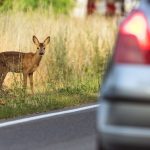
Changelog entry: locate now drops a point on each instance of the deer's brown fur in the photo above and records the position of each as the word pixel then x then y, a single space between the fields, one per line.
pixel 25 63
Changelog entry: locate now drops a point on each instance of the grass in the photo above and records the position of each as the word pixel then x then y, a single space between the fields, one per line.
pixel 44 102
pixel 71 71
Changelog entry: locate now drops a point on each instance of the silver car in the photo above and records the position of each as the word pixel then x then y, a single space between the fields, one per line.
pixel 123 120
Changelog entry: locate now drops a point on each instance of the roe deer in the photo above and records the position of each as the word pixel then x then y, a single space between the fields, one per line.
pixel 25 63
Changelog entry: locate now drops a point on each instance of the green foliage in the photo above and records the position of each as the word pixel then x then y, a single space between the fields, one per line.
pixel 27 4
pixel 58 6
pixel 6 5
pixel 61 6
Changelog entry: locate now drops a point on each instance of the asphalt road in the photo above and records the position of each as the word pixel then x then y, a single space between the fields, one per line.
pixel 73 131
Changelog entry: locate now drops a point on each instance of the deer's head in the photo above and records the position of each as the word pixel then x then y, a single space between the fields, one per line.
pixel 41 46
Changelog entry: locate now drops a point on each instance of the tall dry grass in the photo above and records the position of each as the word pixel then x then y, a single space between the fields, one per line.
pixel 77 53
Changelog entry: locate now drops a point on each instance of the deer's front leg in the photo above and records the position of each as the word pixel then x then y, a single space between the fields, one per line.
pixel 3 73
pixel 31 82
pixel 2 77
pixel 24 81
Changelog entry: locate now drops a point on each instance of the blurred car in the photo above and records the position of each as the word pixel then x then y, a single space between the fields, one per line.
pixel 123 120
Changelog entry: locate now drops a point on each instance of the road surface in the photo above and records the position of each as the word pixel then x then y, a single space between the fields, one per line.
pixel 70 131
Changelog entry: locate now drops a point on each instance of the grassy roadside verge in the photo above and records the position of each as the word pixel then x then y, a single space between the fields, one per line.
pixel 23 105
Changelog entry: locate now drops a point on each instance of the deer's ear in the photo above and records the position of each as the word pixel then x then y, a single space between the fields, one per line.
pixel 47 40
pixel 35 40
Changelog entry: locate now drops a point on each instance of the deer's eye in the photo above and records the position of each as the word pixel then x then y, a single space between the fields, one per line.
pixel 38 48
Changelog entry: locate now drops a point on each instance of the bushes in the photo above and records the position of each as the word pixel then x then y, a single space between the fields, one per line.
pixel 58 6
pixel 61 6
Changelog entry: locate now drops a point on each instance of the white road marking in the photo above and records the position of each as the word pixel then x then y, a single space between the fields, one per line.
pixel 24 120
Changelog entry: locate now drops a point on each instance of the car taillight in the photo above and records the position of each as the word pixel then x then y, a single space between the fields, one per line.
pixel 133 43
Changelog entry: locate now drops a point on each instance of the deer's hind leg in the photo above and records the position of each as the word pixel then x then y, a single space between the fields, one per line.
pixel 24 81
pixel 2 77
pixel 31 82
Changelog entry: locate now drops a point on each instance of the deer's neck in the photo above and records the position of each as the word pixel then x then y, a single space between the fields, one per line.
pixel 37 59
pixel 35 63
